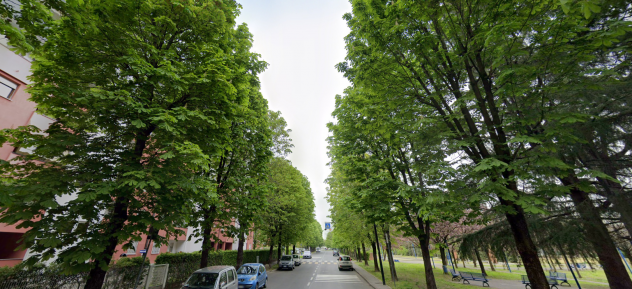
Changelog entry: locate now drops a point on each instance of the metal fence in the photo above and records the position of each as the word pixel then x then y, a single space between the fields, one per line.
pixel 153 277
pixel 42 279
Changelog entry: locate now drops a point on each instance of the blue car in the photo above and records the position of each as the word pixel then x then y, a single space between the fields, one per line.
pixel 252 276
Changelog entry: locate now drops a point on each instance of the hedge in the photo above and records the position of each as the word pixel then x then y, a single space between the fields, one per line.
pixel 215 257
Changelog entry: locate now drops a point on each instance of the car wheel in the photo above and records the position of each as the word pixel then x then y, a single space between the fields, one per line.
pixel 257 286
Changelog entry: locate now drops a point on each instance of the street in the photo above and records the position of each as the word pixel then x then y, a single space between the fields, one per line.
pixel 319 272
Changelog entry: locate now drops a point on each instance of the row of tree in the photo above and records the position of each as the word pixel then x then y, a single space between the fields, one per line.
pixel 510 114
pixel 159 124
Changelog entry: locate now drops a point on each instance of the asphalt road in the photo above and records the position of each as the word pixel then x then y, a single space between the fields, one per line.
pixel 319 272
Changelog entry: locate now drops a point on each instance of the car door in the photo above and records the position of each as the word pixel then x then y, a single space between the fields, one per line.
pixel 262 274
pixel 223 280
pixel 232 279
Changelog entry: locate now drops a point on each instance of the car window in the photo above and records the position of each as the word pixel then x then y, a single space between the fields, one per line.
pixel 231 276
pixel 286 258
pixel 247 270
pixel 345 258
pixel 202 279
pixel 223 280
pixel 262 269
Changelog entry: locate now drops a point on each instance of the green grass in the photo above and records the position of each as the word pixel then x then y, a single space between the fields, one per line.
pixel 412 276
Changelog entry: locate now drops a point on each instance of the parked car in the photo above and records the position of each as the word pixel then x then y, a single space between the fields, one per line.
pixel 307 254
pixel 318 249
pixel 286 262
pixel 344 263
pixel 297 259
pixel 336 253
pixel 214 277
pixel 252 276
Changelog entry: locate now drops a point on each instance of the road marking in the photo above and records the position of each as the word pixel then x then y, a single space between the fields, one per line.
pixel 308 283
pixel 311 279
pixel 337 278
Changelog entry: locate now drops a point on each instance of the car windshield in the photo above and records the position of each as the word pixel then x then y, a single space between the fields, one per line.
pixel 202 279
pixel 345 258
pixel 295 256
pixel 286 258
pixel 247 270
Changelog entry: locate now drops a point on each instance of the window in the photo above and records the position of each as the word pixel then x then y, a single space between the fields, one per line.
pixel 7 88
pixel 262 269
pixel 132 251
pixel 155 249
pixel 231 276
pixel 223 280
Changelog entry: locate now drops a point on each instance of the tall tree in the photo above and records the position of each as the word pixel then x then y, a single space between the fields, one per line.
pixel 136 89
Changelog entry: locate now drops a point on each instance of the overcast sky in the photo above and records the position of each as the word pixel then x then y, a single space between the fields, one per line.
pixel 302 41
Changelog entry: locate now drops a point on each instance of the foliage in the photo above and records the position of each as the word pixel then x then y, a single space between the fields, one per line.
pixel 217 257
pixel 144 95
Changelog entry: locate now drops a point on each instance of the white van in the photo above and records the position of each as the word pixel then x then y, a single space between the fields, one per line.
pixel 307 254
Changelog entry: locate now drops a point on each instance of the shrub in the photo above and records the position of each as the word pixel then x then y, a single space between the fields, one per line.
pixel 402 251
pixel 215 257
pixel 130 262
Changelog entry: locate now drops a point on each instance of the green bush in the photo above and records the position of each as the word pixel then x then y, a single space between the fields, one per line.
pixel 215 257
pixel 402 251
pixel 130 262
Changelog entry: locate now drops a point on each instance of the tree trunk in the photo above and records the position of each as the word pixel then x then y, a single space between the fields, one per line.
pixel 489 259
pixel 293 248
pixel 444 260
pixel 463 261
pixel 366 261
pixel 588 261
pixel 270 256
pixel 597 234
pixel 424 241
pixel 206 235
pixel 240 250
pixel 526 248
pixel 375 256
pixel 389 252
pixel 575 264
pixel 96 276
pixel 480 262
pixel 279 250
pixel 454 259
pixel 548 260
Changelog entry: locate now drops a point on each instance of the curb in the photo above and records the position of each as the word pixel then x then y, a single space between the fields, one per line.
pixel 355 269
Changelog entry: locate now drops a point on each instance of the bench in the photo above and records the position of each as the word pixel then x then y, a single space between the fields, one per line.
pixel 559 277
pixel 455 275
pixel 467 276
pixel 552 282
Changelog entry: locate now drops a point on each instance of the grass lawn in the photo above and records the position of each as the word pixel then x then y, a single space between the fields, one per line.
pixel 412 276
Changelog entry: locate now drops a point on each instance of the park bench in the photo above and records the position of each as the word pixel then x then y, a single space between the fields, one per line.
pixel 559 277
pixel 467 276
pixel 552 282
pixel 455 275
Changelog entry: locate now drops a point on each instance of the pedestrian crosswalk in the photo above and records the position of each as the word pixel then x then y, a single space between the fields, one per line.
pixel 337 278
pixel 318 262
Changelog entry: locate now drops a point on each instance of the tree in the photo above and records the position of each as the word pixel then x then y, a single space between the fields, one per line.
pixel 136 89
pixel 491 73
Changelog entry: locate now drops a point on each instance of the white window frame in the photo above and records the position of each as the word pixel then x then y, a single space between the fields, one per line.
pixel 5 82
pixel 155 250
pixel 132 251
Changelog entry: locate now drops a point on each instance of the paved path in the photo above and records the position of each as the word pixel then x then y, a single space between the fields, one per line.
pixel 319 272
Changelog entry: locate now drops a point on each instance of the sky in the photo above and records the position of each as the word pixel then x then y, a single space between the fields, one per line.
pixel 302 41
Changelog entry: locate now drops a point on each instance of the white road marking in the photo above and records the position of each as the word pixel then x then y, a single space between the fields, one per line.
pixel 308 283
pixel 310 279
pixel 337 278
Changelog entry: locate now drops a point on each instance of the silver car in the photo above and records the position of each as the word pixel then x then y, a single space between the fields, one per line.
pixel 286 262
pixel 214 277
pixel 297 259
pixel 344 263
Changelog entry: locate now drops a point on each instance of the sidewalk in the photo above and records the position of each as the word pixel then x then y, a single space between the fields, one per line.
pixel 369 278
